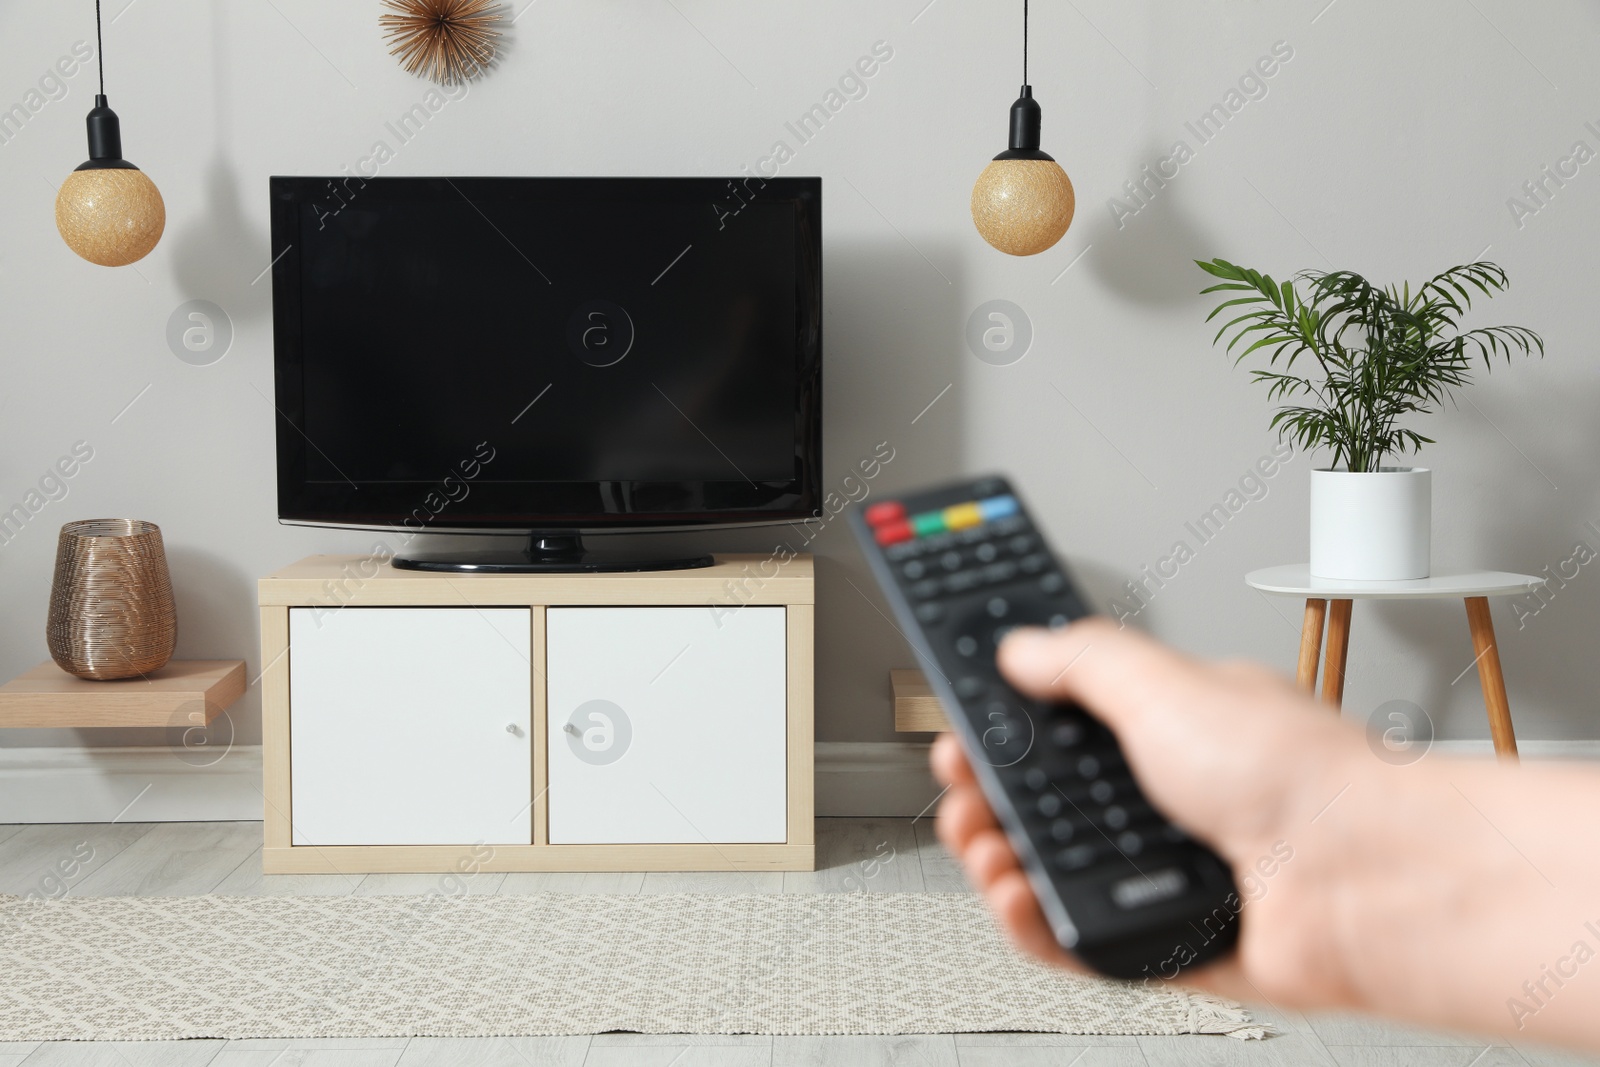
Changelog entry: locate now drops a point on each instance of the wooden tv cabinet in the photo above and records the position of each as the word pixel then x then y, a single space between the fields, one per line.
pixel 418 721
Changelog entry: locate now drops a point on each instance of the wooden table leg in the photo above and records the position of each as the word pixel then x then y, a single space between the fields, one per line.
pixel 1338 652
pixel 1491 678
pixel 1311 644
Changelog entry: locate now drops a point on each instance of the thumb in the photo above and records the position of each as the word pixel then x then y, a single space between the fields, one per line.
pixel 1119 675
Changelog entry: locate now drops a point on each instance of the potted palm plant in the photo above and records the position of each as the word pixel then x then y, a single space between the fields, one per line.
pixel 1352 359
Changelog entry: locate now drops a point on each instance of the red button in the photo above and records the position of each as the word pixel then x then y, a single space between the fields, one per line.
pixel 888 511
pixel 892 532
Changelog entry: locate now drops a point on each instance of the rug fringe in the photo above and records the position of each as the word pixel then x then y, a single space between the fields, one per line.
pixel 1209 1014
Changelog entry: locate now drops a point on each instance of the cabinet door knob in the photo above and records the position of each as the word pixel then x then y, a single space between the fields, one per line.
pixel 513 729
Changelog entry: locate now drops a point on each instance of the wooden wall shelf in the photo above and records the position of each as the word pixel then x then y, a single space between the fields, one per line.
pixel 183 693
pixel 916 709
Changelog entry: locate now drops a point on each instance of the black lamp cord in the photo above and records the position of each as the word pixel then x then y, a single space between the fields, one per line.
pixel 100 51
pixel 1024 44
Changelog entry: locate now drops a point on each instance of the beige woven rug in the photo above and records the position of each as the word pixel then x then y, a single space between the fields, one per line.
pixel 163 968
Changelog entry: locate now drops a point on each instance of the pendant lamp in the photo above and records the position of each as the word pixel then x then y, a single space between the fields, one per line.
pixel 1023 202
pixel 108 210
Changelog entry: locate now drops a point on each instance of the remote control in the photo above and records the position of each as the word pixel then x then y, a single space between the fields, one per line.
pixel 1123 889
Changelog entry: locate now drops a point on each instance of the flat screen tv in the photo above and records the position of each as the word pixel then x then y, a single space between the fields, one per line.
pixel 549 356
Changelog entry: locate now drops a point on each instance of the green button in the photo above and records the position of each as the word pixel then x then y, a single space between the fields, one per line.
pixel 929 522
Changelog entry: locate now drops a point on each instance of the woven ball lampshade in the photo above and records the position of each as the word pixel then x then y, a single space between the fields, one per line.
pixel 108 210
pixel 1023 206
pixel 1023 201
pixel 110 216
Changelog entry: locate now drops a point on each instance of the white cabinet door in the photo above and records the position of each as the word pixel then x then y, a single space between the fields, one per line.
pixel 410 726
pixel 666 725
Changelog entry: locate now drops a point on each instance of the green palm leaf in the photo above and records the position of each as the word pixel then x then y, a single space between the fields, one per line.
pixel 1383 352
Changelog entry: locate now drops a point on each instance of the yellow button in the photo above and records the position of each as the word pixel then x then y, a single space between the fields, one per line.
pixel 961 516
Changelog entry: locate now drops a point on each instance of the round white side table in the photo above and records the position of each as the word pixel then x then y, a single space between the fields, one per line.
pixel 1474 587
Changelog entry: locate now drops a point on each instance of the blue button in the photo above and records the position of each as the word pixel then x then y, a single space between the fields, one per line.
pixel 998 507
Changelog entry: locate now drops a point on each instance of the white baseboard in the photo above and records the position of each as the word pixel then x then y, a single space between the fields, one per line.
pixel 158 785
pixel 854 778
pixel 129 785
pixel 873 778
pixel 891 778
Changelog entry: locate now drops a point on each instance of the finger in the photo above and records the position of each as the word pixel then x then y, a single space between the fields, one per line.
pixel 1010 897
pixel 963 814
pixel 949 763
pixel 1012 900
pixel 1119 675
pixel 987 857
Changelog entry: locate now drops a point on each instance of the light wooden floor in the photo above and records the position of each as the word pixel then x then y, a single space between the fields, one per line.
pixel 879 855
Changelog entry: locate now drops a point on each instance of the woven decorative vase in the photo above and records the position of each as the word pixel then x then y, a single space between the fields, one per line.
pixel 111 609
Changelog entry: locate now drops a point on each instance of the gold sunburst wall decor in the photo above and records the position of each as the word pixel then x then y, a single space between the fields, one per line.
pixel 447 41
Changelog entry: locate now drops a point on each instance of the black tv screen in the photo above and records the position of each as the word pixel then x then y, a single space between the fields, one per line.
pixel 547 353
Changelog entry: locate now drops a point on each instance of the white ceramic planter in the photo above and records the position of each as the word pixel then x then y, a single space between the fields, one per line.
pixel 1374 527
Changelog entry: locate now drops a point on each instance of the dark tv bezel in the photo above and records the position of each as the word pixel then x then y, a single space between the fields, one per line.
pixel 310 503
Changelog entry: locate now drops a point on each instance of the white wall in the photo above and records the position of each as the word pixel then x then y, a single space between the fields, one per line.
pixel 1389 144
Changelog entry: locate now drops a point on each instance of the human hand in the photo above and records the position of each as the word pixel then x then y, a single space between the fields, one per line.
pixel 1440 892
pixel 1230 752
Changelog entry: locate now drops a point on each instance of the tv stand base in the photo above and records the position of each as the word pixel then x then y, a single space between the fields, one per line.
pixel 548 554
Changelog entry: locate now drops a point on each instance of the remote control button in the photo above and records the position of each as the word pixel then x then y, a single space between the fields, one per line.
pixel 1022 544
pixel 997 607
pixel 1006 742
pixel 967 688
pixel 1130 843
pixel 967 645
pixel 888 511
pixel 1049 805
pixel 892 533
pixel 1102 791
pixel 1006 527
pixel 1052 583
pixel 930 613
pixel 961 581
pixel 998 507
pixel 1066 734
pixel 926 588
pixel 1003 571
pixel 928 523
pixel 1058 621
pixel 986 552
pixel 1035 563
pixel 1062 830
pixel 1089 767
pixel 962 516
pixel 1077 857
pixel 973 535
pixel 1115 818
pixel 914 570
pixel 1149 887
pixel 950 561
pixel 903 551
pixel 1035 779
